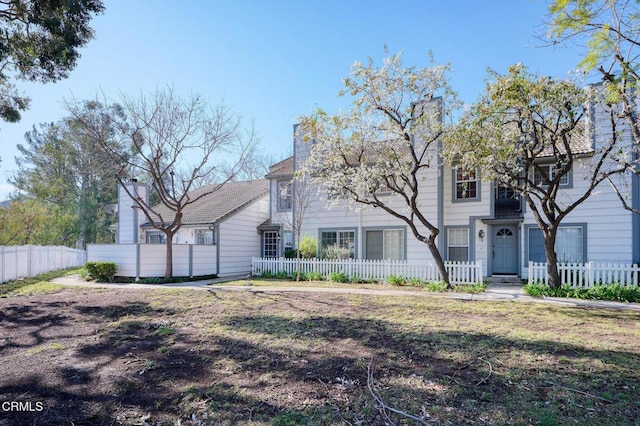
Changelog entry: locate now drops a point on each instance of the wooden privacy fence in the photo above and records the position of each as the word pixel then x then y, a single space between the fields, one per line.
pixel 28 261
pixel 587 274
pixel 459 272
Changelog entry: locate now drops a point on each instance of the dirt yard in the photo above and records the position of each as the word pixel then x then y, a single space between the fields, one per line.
pixel 167 357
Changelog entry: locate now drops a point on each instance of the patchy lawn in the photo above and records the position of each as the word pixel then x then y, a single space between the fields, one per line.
pixel 102 357
pixel 406 286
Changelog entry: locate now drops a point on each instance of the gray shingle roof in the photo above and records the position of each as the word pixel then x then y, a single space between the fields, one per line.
pixel 218 205
pixel 283 168
pixel 578 146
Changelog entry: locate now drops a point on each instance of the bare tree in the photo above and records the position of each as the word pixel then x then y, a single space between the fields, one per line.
pixel 175 143
pixel 303 195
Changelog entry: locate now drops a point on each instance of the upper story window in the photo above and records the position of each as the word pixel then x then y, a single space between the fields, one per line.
pixel 550 171
pixel 204 236
pixel 465 184
pixel 506 193
pixel 285 199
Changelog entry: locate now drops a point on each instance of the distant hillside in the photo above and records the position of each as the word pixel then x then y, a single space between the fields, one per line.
pixel 4 204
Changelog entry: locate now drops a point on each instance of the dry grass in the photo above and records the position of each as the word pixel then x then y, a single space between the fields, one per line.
pixel 224 357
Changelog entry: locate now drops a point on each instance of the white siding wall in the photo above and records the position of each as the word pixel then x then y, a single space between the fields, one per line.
pixel 283 218
pixel 239 240
pixel 324 216
pixel 609 226
pixel 609 237
pixel 129 218
pixel 459 214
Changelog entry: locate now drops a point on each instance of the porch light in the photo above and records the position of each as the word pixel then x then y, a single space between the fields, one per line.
pixel 481 234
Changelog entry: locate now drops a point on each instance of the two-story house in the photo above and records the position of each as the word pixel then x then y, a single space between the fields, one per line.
pixel 478 220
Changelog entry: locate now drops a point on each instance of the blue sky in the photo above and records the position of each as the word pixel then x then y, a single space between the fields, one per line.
pixel 273 61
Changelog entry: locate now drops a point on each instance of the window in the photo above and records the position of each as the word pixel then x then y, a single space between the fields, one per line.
pixel 288 239
pixel 270 244
pixel 570 246
pixel 549 170
pixel 204 236
pixel 385 244
pixel 506 193
pixel 458 244
pixel 341 239
pixel 504 232
pixel 156 237
pixel 465 184
pixel 284 195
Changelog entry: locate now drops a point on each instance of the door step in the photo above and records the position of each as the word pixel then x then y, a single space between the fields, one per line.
pixel 504 280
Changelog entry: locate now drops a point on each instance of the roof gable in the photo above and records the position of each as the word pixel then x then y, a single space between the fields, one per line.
pixel 282 168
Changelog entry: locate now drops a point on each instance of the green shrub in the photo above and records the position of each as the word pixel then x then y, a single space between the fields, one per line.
pixel 397 280
pixel 291 253
pixel 308 247
pixel 303 276
pixel 535 289
pixel 266 274
pixel 338 277
pixel 102 271
pixel 613 292
pixel 436 286
pixel 417 282
pixel 470 288
pixel 314 276
pixel 282 275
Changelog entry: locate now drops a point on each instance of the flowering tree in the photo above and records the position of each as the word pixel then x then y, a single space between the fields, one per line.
pixel 609 31
pixel 386 142
pixel 527 133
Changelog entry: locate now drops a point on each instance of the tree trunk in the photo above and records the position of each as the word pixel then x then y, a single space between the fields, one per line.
pixel 552 258
pixel 168 272
pixel 433 248
pixel 297 256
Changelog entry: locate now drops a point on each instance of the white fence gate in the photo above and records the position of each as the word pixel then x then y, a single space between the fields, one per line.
pixel 588 274
pixel 459 272
pixel 28 261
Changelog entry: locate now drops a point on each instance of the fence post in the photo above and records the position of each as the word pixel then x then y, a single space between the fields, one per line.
pixel 137 261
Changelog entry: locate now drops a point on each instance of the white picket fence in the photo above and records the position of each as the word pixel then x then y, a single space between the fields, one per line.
pixel 459 272
pixel 588 274
pixel 28 261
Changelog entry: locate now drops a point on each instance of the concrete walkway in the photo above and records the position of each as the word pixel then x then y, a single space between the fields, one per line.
pixel 494 292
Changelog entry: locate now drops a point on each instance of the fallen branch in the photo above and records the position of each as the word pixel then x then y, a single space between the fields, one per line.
pixel 383 405
pixel 488 375
pixel 554 385
pixel 452 379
